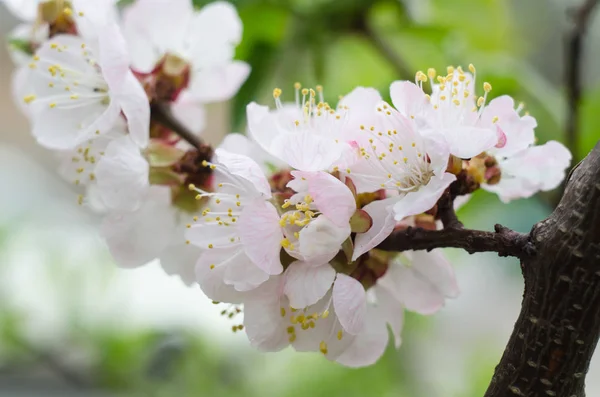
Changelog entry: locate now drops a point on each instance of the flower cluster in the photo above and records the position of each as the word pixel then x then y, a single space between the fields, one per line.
pixel 283 225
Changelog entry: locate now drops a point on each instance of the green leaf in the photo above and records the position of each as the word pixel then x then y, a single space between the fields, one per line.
pixel 21 45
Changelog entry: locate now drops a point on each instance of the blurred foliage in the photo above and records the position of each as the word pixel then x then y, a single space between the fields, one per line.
pixel 333 43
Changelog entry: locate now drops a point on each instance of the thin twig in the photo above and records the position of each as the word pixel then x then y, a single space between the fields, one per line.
pixel 447 214
pixel 392 56
pixel 573 69
pixel 161 114
pixel 503 241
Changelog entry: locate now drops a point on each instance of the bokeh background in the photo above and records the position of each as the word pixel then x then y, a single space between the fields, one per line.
pixel 72 324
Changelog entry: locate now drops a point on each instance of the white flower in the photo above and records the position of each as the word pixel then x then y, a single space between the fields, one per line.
pixel 524 169
pixel 537 168
pixel 452 110
pixel 79 90
pixel 241 144
pixel 308 136
pixel 272 323
pixel 396 157
pixel 203 40
pixel 239 229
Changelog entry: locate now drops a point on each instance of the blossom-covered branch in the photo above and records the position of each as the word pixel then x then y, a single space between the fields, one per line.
pixel 504 241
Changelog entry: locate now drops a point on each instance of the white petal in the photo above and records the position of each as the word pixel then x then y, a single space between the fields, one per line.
pixel 180 259
pixel 408 98
pixel 218 83
pixel 211 280
pixel 423 284
pixel 216 30
pixel 349 301
pixel 136 238
pixel 392 312
pixel 306 284
pixel 424 199
pixel 466 142
pixel 369 345
pixel 122 175
pixel 25 10
pixel 246 168
pixel 112 56
pixel 307 151
pixel 261 235
pixel 135 106
pixel 383 225
pixel 243 274
pixel 190 113
pixel 321 240
pixel 264 325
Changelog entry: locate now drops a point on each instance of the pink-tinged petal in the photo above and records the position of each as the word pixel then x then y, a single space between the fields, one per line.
pixel 261 235
pixel 122 175
pixel 361 98
pixel 466 142
pixel 392 311
pixel 136 238
pixel 246 168
pixel 438 151
pixel 369 345
pixel 135 106
pixel 350 303
pixel 264 325
pixel 424 199
pixel 321 240
pixel 306 284
pixel 423 283
pixel 382 215
pixel 190 113
pixel 218 83
pixel 501 138
pixel 408 98
pixel 331 196
pixel 210 273
pixel 307 151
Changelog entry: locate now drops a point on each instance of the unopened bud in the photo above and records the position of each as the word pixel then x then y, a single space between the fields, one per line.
pixel 493 175
pixel 455 165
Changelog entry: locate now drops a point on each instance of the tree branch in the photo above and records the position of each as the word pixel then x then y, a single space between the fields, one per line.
pixel 446 212
pixel 161 114
pixel 399 65
pixel 504 241
pixel 573 69
pixel 555 336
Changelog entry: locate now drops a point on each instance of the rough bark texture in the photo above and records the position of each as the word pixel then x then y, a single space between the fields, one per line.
pixel 549 351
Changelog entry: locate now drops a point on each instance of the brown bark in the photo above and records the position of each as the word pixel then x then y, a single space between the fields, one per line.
pixel 555 336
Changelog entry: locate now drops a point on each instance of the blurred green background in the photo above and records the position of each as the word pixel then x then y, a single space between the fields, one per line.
pixel 71 324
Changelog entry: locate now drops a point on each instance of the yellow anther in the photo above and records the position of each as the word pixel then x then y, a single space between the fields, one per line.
pixel 340 334
pixel 68 12
pixel 312 92
pixel 198 197
pixel 305 91
pixel 323 347
pixel 282 311
pixel 292 338
pixel 494 119
pixel 80 199
pixel 297 85
pixel 285 243
pixel 480 101
pixel 487 87
pixel 276 93
pixel 53 45
pixel 212 166
pixel 450 70
pixel 456 102
pixel 325 314
pixel 286 204
pixel 210 246
pixel 191 186
pixel 472 68
pixel 319 88
pixel 212 267
pixel 431 73
pixel 204 163
pixel 29 98
pixel 74 96
pixel 195 218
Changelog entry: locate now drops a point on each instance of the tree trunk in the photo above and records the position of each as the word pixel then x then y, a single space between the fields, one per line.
pixel 555 336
